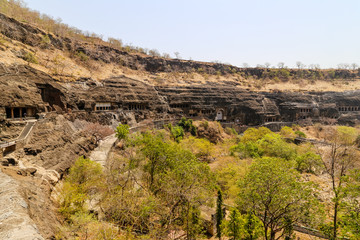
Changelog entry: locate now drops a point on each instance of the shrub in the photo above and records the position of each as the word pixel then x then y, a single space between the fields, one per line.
pixel 254 134
pixel 187 125
pixel 205 124
pixel 81 182
pixel 308 162
pixel 122 131
pixel 30 58
pixel 231 131
pixel 300 134
pixel 287 132
pixel 45 41
pixel 82 56
pixel 98 130
pixel 177 133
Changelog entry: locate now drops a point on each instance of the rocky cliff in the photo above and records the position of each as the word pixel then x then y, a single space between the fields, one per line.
pixel 125 99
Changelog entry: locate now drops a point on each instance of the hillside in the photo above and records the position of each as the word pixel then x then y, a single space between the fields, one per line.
pixel 69 55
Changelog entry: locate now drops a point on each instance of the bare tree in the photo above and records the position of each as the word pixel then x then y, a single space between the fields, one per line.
pixel 343 66
pixel 245 65
pixel 154 53
pixel 281 65
pixel 354 66
pixel 338 158
pixel 267 64
pixel 114 42
pixel 312 66
pixel 177 55
pixel 166 55
pixel 299 64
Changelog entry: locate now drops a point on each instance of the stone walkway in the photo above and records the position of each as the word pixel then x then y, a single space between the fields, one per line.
pixel 101 153
pixel 15 223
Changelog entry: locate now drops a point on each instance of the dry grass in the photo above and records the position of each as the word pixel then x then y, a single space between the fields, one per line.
pixel 63 67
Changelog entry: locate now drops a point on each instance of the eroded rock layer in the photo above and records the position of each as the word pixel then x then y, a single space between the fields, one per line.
pixel 25 90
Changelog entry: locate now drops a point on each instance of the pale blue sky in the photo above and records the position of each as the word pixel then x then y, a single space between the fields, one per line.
pixel 324 32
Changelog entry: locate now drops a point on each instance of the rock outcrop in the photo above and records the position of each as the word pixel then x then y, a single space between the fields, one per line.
pixel 16 223
pixel 123 99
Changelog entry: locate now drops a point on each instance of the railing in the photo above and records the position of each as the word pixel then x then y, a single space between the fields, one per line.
pixel 22 136
pixel 158 124
pixel 7 144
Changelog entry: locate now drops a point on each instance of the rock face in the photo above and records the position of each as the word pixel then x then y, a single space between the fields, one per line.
pixel 16 224
pixel 54 145
pixel 124 99
pixel 29 90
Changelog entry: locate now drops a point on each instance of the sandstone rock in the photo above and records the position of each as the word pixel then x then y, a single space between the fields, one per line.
pixel 16 224
pixel 52 177
pixel 4 163
pixel 30 171
pixel 12 161
pixel 22 172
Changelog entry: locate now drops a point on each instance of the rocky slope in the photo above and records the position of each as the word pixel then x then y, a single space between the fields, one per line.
pixel 15 220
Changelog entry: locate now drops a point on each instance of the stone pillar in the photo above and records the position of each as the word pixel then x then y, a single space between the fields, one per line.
pixel 20 110
pixel 29 112
pixel 12 113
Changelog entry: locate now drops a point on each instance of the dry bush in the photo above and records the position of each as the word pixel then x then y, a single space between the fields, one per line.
pixel 305 122
pixel 328 121
pixel 98 130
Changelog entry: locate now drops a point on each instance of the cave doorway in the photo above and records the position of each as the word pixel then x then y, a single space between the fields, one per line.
pixel 219 115
pixel 19 112
pixel 16 112
pixel 8 113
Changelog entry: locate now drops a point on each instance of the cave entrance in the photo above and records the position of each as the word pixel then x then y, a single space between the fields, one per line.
pixel 51 95
pixel 219 115
pixel 19 112
pixel 102 106
pixel 8 113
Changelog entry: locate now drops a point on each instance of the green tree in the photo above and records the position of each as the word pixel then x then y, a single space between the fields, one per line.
pixel 122 131
pixel 244 227
pixel 254 134
pixel 201 147
pixel 154 148
pixel 83 179
pixel 177 133
pixel 351 216
pixel 309 162
pixel 187 125
pixel 337 160
pixel 287 132
pixel 182 183
pixel 234 224
pixel 252 227
pixel 219 215
pixel 272 190
pixel 273 145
